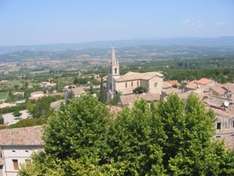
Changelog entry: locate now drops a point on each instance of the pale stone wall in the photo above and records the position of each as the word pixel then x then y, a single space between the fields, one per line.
pixel 225 123
pixel 126 87
pixel 145 83
pixel 155 85
pixel 20 154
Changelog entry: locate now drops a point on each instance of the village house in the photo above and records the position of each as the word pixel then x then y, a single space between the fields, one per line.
pixel 73 91
pixel 219 98
pixel 48 86
pixel 10 118
pixel 37 95
pixel 16 147
pixel 7 105
pixel 203 83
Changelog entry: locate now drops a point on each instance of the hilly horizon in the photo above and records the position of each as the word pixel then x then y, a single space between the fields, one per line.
pixel 223 41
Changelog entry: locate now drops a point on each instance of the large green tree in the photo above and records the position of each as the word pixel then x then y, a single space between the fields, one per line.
pixel 173 137
pixel 77 130
pixel 190 148
pixel 135 139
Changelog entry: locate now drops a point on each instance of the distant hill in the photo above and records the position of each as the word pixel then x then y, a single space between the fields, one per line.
pixel 173 47
pixel 227 41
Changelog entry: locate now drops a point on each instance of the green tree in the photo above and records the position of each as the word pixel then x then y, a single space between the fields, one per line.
pixel 135 139
pixel 190 148
pixel 80 81
pixel 78 130
pixel 17 113
pixel 41 108
pixel 102 94
pixel 1 119
pixel 75 81
pixel 140 90
pixel 170 138
pixel 116 99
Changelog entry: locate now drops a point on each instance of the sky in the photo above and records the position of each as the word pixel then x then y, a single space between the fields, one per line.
pixel 27 22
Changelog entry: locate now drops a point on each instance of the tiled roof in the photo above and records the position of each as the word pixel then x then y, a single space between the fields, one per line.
pixel 229 86
pixel 135 75
pixel 173 82
pixel 218 89
pixel 130 99
pixel 21 136
pixel 166 85
pixel 192 85
pixel 172 90
pixel 223 113
pixel 204 81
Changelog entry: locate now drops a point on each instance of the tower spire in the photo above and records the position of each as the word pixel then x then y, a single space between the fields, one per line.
pixel 113 60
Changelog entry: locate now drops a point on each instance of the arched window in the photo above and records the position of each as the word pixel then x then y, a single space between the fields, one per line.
pixel 115 70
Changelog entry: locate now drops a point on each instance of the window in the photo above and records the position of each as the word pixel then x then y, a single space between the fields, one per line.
pixel 126 85
pixel 15 164
pixel 137 83
pixel 115 70
pixel 26 151
pixel 218 125
pixel 233 123
pixel 13 150
pixel 155 84
pixel 132 83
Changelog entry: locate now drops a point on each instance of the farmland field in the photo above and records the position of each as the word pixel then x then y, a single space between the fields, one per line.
pixel 3 95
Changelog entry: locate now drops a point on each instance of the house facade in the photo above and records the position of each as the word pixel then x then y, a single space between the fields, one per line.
pixel 16 148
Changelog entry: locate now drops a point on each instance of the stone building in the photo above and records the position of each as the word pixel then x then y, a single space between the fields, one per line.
pixel 125 84
pixel 16 147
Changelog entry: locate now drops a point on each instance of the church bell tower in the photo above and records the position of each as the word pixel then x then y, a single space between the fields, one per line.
pixel 114 64
pixel 113 74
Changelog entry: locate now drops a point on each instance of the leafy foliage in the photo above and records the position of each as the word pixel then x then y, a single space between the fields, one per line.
pixel 84 122
pixel 17 113
pixel 19 107
pixel 140 90
pixel 135 140
pixel 1 119
pixel 28 122
pixel 41 108
pixel 169 138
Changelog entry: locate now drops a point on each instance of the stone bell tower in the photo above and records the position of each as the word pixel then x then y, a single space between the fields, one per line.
pixel 113 74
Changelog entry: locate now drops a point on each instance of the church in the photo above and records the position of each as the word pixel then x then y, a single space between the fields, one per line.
pixel 124 85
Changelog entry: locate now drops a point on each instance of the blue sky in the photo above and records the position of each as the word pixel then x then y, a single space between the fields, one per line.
pixel 25 22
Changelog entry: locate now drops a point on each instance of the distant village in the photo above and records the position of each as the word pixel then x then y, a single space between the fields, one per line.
pixel 18 144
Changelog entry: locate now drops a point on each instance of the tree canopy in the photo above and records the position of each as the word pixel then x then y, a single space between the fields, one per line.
pixel 172 137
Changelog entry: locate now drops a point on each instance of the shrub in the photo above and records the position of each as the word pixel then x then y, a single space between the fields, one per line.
pixel 140 90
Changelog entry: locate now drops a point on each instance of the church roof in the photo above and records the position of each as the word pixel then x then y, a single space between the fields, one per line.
pixel 136 75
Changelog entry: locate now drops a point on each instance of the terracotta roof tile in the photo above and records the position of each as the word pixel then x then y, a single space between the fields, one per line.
pixel 130 99
pixel 21 136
